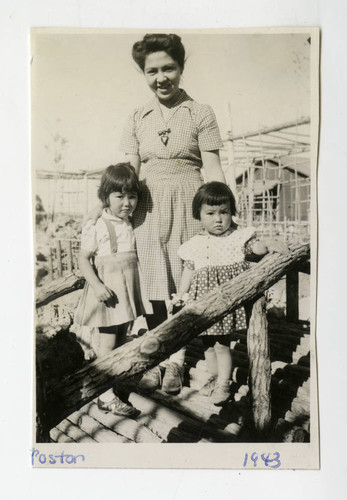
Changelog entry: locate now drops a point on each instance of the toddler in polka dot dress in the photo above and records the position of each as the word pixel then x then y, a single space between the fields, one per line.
pixel 210 258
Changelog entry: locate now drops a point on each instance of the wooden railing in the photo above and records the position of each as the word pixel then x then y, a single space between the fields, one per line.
pixel 57 401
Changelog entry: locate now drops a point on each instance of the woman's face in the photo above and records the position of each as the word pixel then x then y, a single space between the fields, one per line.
pixel 163 75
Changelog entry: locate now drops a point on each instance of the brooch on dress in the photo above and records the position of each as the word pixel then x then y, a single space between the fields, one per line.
pixel 163 134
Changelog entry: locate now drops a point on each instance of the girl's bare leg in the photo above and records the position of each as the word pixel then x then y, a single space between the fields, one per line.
pixel 224 362
pixel 108 342
pixel 211 361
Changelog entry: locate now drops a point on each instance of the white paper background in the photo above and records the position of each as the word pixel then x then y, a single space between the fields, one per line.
pixel 18 480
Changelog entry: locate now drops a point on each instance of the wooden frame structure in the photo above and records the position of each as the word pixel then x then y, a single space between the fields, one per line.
pixel 270 172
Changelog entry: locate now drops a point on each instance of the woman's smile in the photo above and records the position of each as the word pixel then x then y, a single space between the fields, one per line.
pixel 163 75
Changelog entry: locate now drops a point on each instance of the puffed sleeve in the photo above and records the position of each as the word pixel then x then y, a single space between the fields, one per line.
pixel 185 252
pixel 129 143
pixel 88 237
pixel 248 238
pixel 208 131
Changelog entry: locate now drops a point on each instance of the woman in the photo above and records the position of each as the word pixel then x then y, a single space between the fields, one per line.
pixel 168 141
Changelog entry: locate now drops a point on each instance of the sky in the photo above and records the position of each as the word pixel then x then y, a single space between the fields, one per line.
pixel 85 84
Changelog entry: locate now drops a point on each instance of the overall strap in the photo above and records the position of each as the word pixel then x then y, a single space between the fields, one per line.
pixel 112 233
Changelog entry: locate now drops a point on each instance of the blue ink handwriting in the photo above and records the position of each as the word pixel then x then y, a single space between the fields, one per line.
pixel 53 459
pixel 272 463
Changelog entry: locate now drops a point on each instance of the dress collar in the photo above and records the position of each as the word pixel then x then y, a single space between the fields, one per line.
pixel 184 100
pixel 227 233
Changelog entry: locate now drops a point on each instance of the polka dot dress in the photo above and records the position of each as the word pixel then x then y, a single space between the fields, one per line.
pixel 216 260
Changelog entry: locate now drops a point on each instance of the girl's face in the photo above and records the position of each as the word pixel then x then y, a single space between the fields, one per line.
pixel 163 75
pixel 122 205
pixel 216 219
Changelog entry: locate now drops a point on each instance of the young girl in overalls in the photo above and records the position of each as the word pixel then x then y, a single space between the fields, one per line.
pixel 212 257
pixel 112 295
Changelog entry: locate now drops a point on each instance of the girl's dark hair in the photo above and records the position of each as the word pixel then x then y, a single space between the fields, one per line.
pixel 121 177
pixel 213 193
pixel 157 42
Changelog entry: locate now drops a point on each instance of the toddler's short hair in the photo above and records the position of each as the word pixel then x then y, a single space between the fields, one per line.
pixel 122 178
pixel 213 193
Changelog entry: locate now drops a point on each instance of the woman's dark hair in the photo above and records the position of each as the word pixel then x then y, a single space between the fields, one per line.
pixel 157 42
pixel 121 177
pixel 213 193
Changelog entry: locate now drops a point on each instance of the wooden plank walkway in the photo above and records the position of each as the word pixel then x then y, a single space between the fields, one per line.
pixel 191 418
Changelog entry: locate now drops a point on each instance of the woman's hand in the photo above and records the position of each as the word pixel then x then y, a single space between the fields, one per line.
pixel 93 215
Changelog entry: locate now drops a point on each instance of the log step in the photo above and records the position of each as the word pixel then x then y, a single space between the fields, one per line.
pixel 170 417
pixel 57 436
pixel 75 432
pixel 228 419
pixel 190 417
pixel 121 429
pixel 100 433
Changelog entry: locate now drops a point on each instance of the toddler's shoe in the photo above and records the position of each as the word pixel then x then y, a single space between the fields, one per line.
pixel 220 394
pixel 151 380
pixel 206 390
pixel 118 407
pixel 173 379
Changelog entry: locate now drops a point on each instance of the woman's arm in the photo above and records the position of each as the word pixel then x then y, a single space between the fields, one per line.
pixel 135 161
pixel 102 293
pixel 212 166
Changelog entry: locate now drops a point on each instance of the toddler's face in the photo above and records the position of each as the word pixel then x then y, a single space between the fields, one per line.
pixel 216 219
pixel 121 204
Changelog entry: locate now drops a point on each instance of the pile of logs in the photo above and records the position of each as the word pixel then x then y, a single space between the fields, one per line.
pixel 251 353
pixel 190 417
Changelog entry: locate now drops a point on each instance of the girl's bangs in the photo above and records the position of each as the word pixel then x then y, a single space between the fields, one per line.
pixel 216 199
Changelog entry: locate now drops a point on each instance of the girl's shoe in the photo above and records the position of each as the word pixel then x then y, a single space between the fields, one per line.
pixel 206 390
pixel 220 394
pixel 173 379
pixel 117 407
pixel 151 380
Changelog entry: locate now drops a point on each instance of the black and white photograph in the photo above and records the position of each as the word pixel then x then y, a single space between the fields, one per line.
pixel 174 179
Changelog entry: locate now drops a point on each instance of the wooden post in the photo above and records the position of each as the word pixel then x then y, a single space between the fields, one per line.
pixel 259 365
pixel 50 264
pixel 69 256
pixel 231 174
pixel 250 195
pixel 292 295
pixel 86 207
pixel 277 128
pixel 59 261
